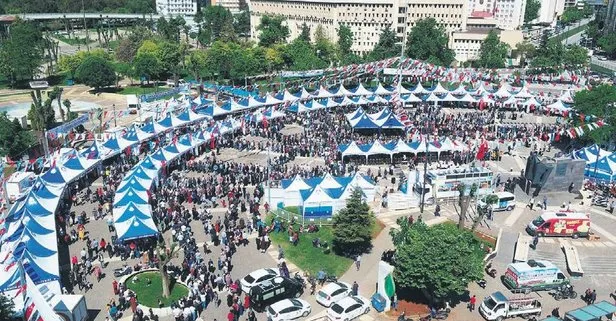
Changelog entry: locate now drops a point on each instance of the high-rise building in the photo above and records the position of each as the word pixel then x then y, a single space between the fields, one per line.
pixel 509 14
pixel 365 18
pixel 610 16
pixel 550 11
pixel 176 7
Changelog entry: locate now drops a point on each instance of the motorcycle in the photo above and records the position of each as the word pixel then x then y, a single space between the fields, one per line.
pixel 300 279
pixel 482 283
pixel 125 270
pixel 564 292
pixel 490 271
pixel 600 201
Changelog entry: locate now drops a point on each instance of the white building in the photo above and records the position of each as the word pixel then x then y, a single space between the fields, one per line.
pixel 232 5
pixel 365 18
pixel 550 11
pixel 467 43
pixel 176 7
pixel 508 13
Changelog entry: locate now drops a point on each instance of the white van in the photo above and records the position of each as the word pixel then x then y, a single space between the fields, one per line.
pixel 17 184
pixel 132 102
pixel 506 202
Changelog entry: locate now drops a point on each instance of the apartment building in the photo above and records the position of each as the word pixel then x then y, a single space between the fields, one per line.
pixel 550 11
pixel 176 7
pixel 232 5
pixel 365 18
pixel 610 17
pixel 508 13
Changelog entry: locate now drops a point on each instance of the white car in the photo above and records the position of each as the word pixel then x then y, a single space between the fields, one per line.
pixel 333 292
pixel 348 308
pixel 288 309
pixel 257 277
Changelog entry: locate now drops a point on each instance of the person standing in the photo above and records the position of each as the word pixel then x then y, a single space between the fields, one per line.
pixel 593 297
pixel 612 207
pixel 358 262
pixel 535 242
pixel 545 203
pixel 531 203
pixel 355 288
pixel 471 303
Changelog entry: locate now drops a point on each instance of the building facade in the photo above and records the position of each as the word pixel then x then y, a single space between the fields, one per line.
pixel 550 11
pixel 508 13
pixel 610 17
pixel 176 7
pixel 232 5
pixel 365 18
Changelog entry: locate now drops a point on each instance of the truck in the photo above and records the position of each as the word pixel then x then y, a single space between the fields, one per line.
pixel 498 307
pixel 132 103
pixel 17 184
pixel 534 275
pixel 442 184
pixel 564 223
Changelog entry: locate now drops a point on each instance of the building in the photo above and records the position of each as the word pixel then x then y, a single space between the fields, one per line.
pixel 610 16
pixel 550 11
pixel 508 13
pixel 365 18
pixel 232 5
pixel 176 7
pixel 467 43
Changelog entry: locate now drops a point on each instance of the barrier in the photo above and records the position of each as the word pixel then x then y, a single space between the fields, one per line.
pixel 521 248
pixel 574 266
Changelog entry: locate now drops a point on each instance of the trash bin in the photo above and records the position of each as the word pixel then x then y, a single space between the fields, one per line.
pixel 378 302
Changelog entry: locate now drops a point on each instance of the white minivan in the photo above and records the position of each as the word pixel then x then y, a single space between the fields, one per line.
pixel 506 202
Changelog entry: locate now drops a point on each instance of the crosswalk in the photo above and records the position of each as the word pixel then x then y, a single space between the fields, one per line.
pixel 578 243
pixel 592 265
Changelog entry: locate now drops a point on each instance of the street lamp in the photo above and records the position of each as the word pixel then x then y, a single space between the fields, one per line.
pixel 425 174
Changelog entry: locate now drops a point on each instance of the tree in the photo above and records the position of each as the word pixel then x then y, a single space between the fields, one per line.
pixel 608 43
pixel 571 15
pixel 56 94
pixel 532 10
pixel 575 56
pixel 7 307
pixel 164 255
pixel 551 55
pixel 146 65
pixel 148 46
pixel 482 211
pixel 386 47
pixel 304 35
pixel 96 72
pixel 345 40
pixel 272 30
pixel 21 53
pixel 14 141
pixel 599 101
pixel 196 62
pixel 493 52
pixel 440 261
pixel 127 50
pixel 593 31
pixel 41 114
pixel 353 227
pixel 274 57
pixel 169 57
pixel 434 50
pixel 70 115
pixel 325 49
pixel 525 50
pixel 301 55
pixel 464 200
pixel 241 22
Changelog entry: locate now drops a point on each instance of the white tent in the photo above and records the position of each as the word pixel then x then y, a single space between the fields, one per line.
pixel 468 99
pixel 531 102
pixel 511 101
pixel 271 100
pixel 362 91
pixel 402 147
pixel 410 98
pixel 352 150
pixel 324 93
pixel 460 90
pixel 559 106
pixel 482 89
pixel 329 182
pixel 296 184
pixel 402 90
pixel 420 89
pixel 433 97
pixel 523 94
pixel 439 89
pixel 380 90
pixel 566 97
pixel 449 97
pixel 503 91
pixel 378 149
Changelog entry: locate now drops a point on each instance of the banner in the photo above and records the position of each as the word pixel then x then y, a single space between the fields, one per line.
pixel 301 74
pixel 66 127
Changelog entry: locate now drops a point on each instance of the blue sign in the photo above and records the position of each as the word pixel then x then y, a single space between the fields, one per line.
pixel 66 127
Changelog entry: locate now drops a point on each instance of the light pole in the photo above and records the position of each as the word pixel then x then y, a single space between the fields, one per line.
pixel 425 174
pixel 85 26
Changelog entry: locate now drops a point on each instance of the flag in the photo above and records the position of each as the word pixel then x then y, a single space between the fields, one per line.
pixel 483 149
pixel 36 308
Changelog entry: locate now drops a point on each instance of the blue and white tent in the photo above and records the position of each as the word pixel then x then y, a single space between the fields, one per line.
pixel 133 221
pixel 589 154
pixel 363 122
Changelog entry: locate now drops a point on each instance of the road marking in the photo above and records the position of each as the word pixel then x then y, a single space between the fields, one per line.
pixel 600 244
pixel 515 215
pixel 609 244
pixel 604 233
pixel 548 240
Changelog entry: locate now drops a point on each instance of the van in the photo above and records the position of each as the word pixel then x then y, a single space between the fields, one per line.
pixel 573 224
pixel 274 290
pixel 17 184
pixel 534 275
pixel 506 202
pixel 132 103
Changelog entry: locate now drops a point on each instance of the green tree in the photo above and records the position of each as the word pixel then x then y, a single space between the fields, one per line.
pixel 21 53
pixel 165 254
pixel 599 102
pixel 304 35
pixel 353 227
pixel 14 141
pixel 435 50
pixel 146 65
pixel 493 52
pixel 301 55
pixel 608 43
pixel 489 200
pixel 325 49
pixel 196 63
pixel 525 50
pixel 440 261
pixel 56 94
pixel 127 50
pixel 218 24
pixel 70 115
pixel 241 23
pixel 532 10
pixel 551 55
pixel 386 47
pixel 593 31
pixel 345 40
pixel 274 56
pixel 96 72
pixel 169 56
pixel 576 56
pixel 465 195
pixel 272 30
pixel 7 307
pixel 41 114
pixel 571 15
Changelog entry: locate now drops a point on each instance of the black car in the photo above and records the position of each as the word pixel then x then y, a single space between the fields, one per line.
pixel 274 290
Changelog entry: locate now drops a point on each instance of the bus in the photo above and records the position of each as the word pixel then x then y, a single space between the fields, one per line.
pixel 443 183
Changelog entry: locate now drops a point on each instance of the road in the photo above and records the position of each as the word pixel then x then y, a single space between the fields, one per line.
pixel 609 64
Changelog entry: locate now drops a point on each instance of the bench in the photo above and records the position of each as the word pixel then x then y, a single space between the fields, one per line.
pixel 521 248
pixel 573 260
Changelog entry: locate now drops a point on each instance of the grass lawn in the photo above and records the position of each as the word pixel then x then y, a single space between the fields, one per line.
pixel 149 295
pixel 139 90
pixel 569 33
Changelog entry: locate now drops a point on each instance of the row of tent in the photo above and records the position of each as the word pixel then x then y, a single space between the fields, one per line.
pixel 321 196
pixel 303 100
pixel 384 119
pixel 600 163
pixel 400 146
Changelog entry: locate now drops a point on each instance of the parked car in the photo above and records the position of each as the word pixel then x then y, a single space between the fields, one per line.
pixel 333 292
pixel 271 291
pixel 257 277
pixel 348 308
pixel 288 309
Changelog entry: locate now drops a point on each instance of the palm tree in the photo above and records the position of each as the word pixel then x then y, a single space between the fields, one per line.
pixel 482 211
pixel 164 255
pixel 464 200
